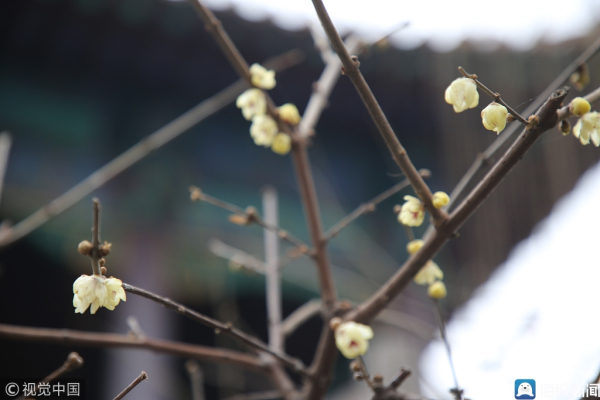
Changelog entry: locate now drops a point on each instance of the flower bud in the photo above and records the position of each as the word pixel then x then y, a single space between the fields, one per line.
pixel 84 248
pixel 440 199
pixel 565 127
pixel 414 245
pixel 282 144
pixel 437 290
pixel 289 113
pixel 494 117
pixel 580 106
pixel 581 77
pixel 429 274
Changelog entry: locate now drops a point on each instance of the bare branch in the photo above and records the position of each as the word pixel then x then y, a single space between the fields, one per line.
pixel 69 337
pixel 137 152
pixel 219 327
pixel 142 377
pixel 321 42
pixel 398 152
pixel 74 361
pixel 251 216
pixel 273 281
pixel 302 314
pixel 5 144
pixel 196 379
pixel 370 205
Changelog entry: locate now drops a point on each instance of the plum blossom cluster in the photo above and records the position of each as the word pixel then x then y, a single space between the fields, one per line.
pixel 588 127
pixel 462 95
pixel 97 291
pixel 253 103
pixel 412 212
pixel 430 274
pixel 351 338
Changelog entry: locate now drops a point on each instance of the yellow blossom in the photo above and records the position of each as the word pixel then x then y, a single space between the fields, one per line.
pixel 462 94
pixel 352 339
pixel 414 245
pixel 262 77
pixel 412 212
pixel 97 291
pixel 282 144
pixel 580 106
pixel 494 117
pixel 263 130
pixel 437 290
pixel 588 127
pixel 581 77
pixel 440 199
pixel 289 113
pixel 428 274
pixel 252 102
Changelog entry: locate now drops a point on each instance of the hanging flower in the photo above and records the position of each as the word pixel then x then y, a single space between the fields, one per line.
pixel 352 339
pixel 494 117
pixel 289 113
pixel 588 128
pixel 437 290
pixel 263 130
pixel 581 77
pixel 282 144
pixel 97 291
pixel 252 102
pixel 412 212
pixel 428 274
pixel 580 106
pixel 261 77
pixel 462 94
pixel 440 199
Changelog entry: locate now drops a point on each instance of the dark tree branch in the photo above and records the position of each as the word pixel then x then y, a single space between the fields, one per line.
pixel 142 377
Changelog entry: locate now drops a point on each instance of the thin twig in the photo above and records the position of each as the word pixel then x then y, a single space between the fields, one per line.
pixel 74 361
pixel 92 339
pixel 94 254
pixel 251 216
pixel 219 327
pixel 302 314
pixel 484 160
pixel 142 377
pixel 365 372
pixel 319 99
pixel 196 379
pixel 5 144
pixel 442 326
pixel 398 152
pixel 435 239
pixel 237 256
pixel 137 152
pixel 494 95
pixel 370 205
pixel 273 277
pixel 321 42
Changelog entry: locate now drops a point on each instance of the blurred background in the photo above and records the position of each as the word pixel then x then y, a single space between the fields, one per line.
pixel 81 81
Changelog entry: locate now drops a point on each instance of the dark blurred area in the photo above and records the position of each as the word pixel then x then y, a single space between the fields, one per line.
pixel 81 81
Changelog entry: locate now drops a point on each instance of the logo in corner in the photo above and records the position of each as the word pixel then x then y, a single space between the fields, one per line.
pixel 525 389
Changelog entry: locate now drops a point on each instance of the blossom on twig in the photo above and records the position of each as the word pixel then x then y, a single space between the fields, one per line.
pixel 282 144
pixel 252 102
pixel 97 291
pixel 462 94
pixel 414 245
pixel 440 199
pixel 263 130
pixel 352 339
pixel 429 274
pixel 289 113
pixel 494 117
pixel 437 290
pixel 588 128
pixel 412 212
pixel 261 77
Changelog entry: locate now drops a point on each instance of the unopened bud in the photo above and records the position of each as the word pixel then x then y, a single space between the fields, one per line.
pixel 437 290
pixel 238 219
pixel 84 248
pixel 565 127
pixel 580 106
pixel 354 366
pixel 105 248
pixel 397 209
pixel 195 193
pixel 358 376
pixel 102 270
